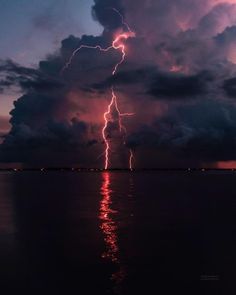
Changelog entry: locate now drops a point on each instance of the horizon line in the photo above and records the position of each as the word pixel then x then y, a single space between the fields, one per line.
pixel 83 169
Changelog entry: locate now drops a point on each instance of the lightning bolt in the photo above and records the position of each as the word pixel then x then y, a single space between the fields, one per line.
pixel 117 44
pixel 131 158
pixel 114 104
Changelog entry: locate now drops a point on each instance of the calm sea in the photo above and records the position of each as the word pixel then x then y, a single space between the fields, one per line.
pixel 118 233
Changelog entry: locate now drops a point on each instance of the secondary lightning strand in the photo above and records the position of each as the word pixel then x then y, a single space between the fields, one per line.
pixel 117 44
pixel 66 66
pixel 131 158
pixel 122 19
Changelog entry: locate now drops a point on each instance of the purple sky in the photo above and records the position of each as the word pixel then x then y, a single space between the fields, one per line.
pixel 31 29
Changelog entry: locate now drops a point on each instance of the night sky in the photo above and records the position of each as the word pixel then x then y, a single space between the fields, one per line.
pixel 178 78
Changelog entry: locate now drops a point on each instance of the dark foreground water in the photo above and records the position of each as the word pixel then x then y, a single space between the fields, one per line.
pixel 118 233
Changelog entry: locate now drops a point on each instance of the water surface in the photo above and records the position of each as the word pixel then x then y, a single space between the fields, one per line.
pixel 117 233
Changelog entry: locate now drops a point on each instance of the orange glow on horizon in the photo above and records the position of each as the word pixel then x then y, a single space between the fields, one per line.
pixel 226 165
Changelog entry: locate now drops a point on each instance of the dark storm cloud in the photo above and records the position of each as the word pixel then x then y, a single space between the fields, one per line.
pixel 230 87
pixel 161 85
pixel 179 85
pixel 45 125
pixel 27 78
pixel 11 67
pixel 217 19
pixel 183 31
pixel 205 130
pixel 227 36
pixel 179 73
pixel 46 144
pixel 134 76
pixel 4 83
pixel 37 135
pixel 129 77
pixel 107 17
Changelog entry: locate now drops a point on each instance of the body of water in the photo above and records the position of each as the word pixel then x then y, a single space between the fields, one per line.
pixel 117 233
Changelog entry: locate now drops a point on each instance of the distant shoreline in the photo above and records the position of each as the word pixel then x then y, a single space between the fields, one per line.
pixel 68 169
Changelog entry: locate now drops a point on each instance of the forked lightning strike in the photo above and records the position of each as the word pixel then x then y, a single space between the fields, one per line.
pixel 121 127
pixel 117 44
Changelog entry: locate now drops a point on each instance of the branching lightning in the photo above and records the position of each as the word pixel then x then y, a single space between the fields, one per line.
pixel 121 127
pixel 117 44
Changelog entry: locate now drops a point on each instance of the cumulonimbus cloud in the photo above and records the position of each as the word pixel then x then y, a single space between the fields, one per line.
pixel 179 79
